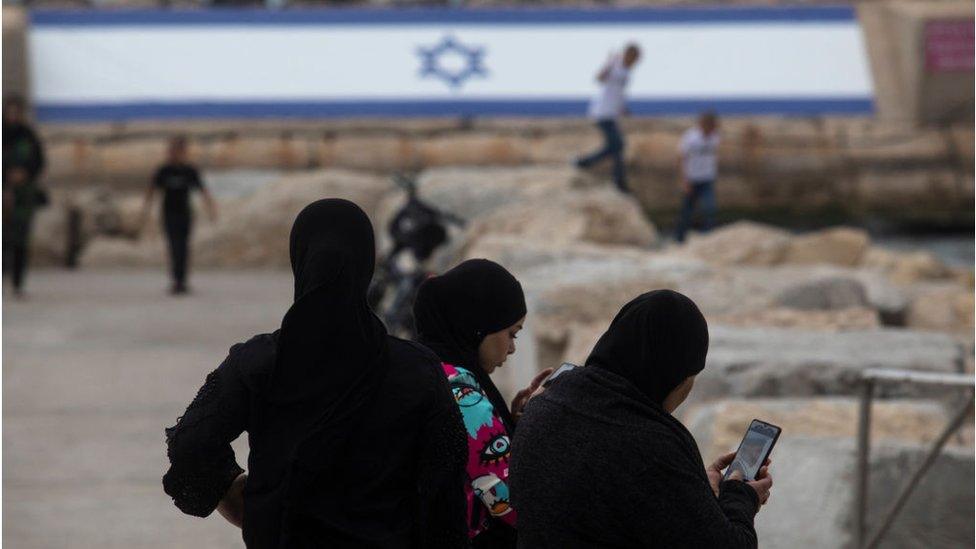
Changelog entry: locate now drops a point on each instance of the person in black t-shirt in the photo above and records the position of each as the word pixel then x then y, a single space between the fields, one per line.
pixel 23 163
pixel 177 178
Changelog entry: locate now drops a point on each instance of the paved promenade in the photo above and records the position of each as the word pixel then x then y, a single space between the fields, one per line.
pixel 95 365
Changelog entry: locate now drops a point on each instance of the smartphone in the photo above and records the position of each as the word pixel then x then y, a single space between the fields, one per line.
pixel 754 449
pixel 562 369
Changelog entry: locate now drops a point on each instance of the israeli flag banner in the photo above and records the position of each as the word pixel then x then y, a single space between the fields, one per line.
pixel 135 64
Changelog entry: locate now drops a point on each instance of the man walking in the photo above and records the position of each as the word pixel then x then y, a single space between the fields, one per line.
pixel 177 178
pixel 23 162
pixel 698 169
pixel 608 105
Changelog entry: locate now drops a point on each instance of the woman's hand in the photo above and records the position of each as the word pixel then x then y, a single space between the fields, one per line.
pixel 231 507
pixel 714 471
pixel 522 397
pixel 762 485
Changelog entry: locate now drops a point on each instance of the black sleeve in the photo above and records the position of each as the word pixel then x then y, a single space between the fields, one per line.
pixel 202 463
pixel 699 518
pixel 442 471
pixel 739 502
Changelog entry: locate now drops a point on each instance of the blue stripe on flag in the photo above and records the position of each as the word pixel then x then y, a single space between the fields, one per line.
pixel 51 112
pixel 489 16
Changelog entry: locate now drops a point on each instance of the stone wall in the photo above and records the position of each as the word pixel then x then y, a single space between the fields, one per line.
pixel 854 168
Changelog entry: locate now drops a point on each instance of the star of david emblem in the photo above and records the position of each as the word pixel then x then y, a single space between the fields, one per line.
pixel 451 61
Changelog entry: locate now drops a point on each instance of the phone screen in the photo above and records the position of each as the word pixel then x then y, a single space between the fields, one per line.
pixel 565 367
pixel 754 449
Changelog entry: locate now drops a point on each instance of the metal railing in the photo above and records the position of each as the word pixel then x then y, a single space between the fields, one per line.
pixel 869 380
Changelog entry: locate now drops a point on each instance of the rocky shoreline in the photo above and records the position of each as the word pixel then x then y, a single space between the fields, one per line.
pixel 793 318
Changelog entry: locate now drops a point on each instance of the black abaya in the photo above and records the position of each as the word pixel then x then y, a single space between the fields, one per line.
pixel 354 436
pixel 601 463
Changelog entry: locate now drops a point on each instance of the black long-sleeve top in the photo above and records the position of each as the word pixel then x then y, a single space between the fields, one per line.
pixel 400 478
pixel 598 465
pixel 22 149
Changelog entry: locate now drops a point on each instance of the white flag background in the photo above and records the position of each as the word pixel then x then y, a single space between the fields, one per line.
pixel 92 65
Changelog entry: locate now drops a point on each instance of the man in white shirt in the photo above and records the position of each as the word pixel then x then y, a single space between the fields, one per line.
pixel 698 169
pixel 606 107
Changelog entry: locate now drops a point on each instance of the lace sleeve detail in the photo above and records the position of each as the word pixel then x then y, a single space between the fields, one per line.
pixel 442 472
pixel 202 462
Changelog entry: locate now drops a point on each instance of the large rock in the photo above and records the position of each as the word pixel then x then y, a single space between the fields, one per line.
pixel 575 294
pixel 598 216
pixel 565 340
pixel 825 294
pixel 942 308
pixel 905 267
pixel 253 231
pixel 852 318
pixel 778 362
pixel 744 289
pixel 475 192
pixel 718 425
pixel 838 246
pixel 741 243
pixel 814 470
pixel 575 290
pixel 594 289
pixel 889 299
pixel 471 192
pixel 523 256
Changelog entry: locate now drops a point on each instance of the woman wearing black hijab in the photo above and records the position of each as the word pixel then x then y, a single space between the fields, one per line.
pixel 601 462
pixel 470 317
pixel 355 440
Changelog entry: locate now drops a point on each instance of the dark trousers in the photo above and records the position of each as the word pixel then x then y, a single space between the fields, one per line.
pixel 178 234
pixel 702 192
pixel 613 146
pixel 19 257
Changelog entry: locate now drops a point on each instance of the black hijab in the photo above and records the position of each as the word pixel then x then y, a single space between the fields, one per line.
pixel 655 342
pixel 331 349
pixel 329 337
pixel 456 310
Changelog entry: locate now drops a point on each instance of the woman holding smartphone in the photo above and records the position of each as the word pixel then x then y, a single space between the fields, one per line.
pixel 470 317
pixel 601 461
pixel 354 438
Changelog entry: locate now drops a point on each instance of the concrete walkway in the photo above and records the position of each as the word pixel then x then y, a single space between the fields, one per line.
pixel 95 365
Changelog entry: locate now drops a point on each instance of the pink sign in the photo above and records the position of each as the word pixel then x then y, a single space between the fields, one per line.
pixel 949 45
